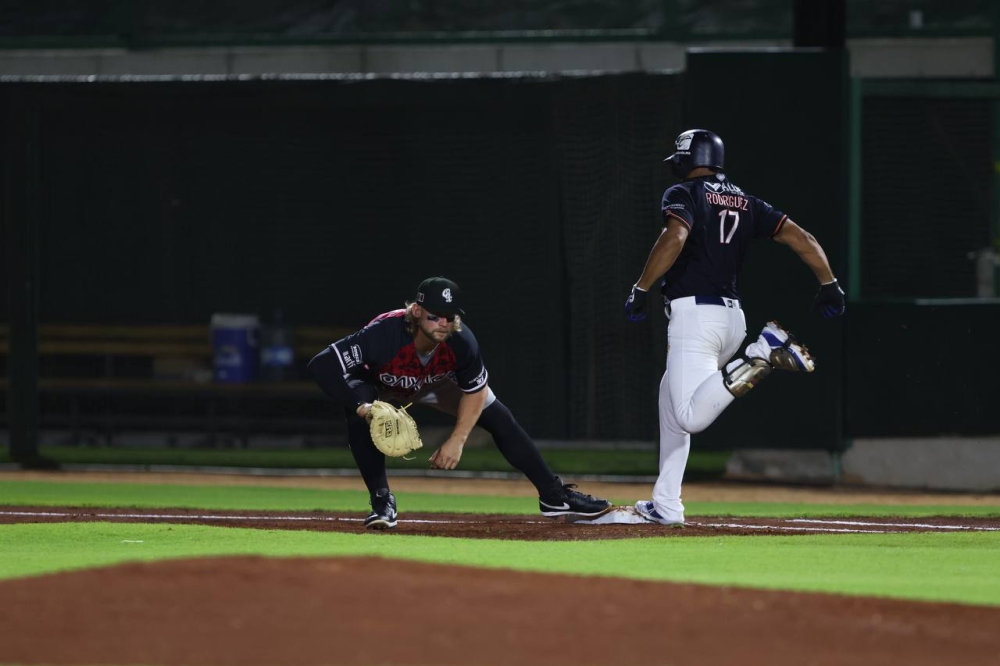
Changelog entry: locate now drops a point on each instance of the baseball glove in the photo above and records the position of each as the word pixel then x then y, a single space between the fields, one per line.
pixel 393 430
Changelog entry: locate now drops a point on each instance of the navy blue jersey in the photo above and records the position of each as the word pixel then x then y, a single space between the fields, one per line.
pixel 722 220
pixel 383 353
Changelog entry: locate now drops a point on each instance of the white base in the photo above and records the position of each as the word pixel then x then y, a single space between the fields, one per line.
pixel 620 515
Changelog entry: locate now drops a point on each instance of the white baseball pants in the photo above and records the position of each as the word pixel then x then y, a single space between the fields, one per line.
pixel 701 338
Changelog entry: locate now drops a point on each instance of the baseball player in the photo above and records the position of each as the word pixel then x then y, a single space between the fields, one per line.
pixel 425 354
pixel 708 223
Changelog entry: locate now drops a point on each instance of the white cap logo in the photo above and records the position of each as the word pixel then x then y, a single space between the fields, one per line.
pixel 447 295
pixel 684 141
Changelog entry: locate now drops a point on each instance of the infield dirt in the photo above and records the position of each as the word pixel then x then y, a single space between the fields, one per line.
pixel 251 610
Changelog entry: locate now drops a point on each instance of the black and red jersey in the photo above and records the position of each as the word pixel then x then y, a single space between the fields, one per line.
pixel 383 353
pixel 721 219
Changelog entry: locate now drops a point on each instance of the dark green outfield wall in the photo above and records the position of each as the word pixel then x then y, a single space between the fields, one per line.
pixel 165 201
pixel 782 115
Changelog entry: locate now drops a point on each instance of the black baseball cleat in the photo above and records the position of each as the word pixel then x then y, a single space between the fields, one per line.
pixel 383 515
pixel 565 501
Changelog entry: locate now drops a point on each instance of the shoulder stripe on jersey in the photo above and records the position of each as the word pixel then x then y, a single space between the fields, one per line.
pixel 386 315
pixel 781 223
pixel 682 220
pixel 478 387
pixel 337 354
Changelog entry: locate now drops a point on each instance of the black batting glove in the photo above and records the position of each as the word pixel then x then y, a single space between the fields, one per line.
pixel 635 306
pixel 829 300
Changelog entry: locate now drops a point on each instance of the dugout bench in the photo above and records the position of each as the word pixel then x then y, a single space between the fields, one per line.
pixel 97 381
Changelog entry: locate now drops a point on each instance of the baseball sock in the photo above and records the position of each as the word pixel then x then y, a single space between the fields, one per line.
pixel 370 461
pixel 517 448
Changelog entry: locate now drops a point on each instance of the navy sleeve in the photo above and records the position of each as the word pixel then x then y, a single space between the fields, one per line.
pixel 326 371
pixel 677 203
pixel 345 358
pixel 354 351
pixel 767 219
pixel 471 373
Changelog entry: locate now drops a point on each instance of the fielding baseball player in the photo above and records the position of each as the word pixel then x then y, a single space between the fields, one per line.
pixel 425 354
pixel 708 223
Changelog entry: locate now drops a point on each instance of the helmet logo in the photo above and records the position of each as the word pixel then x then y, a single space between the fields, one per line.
pixel 447 295
pixel 684 141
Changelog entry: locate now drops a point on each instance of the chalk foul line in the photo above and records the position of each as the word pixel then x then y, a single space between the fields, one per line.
pixel 785 525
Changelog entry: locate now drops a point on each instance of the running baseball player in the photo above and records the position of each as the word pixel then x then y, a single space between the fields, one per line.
pixel 708 223
pixel 425 354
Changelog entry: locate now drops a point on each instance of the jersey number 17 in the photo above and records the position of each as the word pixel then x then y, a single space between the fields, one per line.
pixel 723 214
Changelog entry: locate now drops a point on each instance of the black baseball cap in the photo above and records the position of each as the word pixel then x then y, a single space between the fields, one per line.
pixel 440 296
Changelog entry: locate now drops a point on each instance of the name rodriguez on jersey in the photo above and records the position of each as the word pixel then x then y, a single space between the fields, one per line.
pixel 727 200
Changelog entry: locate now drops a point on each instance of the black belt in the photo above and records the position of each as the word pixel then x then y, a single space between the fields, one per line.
pixel 715 300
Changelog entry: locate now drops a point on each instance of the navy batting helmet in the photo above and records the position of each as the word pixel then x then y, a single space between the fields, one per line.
pixel 697 148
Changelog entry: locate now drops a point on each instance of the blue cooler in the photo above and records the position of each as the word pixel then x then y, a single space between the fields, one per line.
pixel 234 346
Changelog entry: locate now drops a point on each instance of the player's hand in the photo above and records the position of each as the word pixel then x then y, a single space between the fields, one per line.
pixel 448 454
pixel 635 306
pixel 829 300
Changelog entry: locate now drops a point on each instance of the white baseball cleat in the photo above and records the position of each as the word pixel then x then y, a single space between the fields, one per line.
pixel 781 349
pixel 647 510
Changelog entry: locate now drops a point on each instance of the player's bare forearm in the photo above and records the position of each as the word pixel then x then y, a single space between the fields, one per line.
pixel 664 253
pixel 809 250
pixel 470 406
pixel 816 260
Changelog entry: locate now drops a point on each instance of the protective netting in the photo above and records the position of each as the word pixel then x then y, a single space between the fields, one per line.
pixel 926 195
pixel 332 199
pixel 610 152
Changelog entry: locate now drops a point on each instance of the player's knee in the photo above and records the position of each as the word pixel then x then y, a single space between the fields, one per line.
pixel 689 421
pixel 693 425
pixel 498 421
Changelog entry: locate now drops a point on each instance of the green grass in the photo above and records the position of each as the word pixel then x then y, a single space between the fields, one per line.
pixel 954 567
pixel 934 567
pixel 258 498
pixel 702 465
pixel 26 493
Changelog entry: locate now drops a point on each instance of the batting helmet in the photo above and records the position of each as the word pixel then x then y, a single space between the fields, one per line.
pixel 697 148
